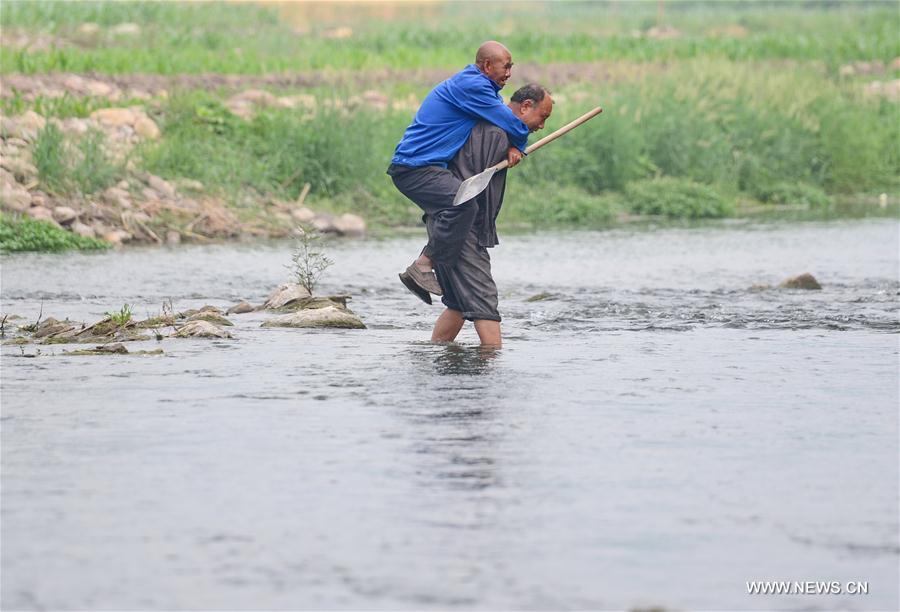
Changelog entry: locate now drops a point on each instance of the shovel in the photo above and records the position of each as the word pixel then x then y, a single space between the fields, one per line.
pixel 474 185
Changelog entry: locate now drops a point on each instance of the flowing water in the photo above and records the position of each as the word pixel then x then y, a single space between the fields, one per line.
pixel 654 433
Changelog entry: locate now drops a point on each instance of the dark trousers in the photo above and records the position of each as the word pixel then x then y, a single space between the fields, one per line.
pixel 433 188
pixel 459 236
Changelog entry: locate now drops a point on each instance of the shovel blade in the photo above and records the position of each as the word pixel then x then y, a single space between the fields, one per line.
pixel 472 186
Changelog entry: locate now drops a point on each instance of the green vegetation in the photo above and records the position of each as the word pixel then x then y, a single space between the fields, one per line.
pixel 27 234
pixel 191 37
pixel 83 168
pixel 677 198
pixel 122 317
pixel 788 137
pixel 309 261
pixel 744 103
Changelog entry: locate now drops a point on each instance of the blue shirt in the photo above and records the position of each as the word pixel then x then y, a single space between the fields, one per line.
pixel 447 116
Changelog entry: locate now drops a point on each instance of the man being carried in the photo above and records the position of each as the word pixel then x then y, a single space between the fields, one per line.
pixel 459 236
pixel 440 128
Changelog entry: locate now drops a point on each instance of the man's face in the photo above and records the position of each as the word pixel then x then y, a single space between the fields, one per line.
pixel 499 68
pixel 534 115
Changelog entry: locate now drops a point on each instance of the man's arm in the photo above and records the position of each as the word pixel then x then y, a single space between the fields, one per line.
pixel 481 102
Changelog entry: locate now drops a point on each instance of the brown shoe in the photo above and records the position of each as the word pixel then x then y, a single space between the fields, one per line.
pixel 410 284
pixel 425 280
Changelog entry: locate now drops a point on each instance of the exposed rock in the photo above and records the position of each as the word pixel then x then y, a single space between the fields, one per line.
pixel 6 178
pixel 114 117
pixel 47 329
pixel 14 197
pixel 161 186
pixel 117 237
pixel 285 293
pixel 85 231
pixel 210 317
pixel 663 32
pixel 240 308
pixel 112 349
pixel 75 126
pixel 88 29
pixel 887 89
pixel 19 168
pixel 375 99
pixel 125 29
pixel 173 238
pixel 338 33
pixel 350 225
pixel 257 96
pixel 116 348
pixel 41 214
pixel 32 121
pixel 64 215
pixel 323 223
pixel 804 281
pixel 306 101
pixel 191 185
pixel 192 311
pixel 303 214
pixel 89 87
pixel 145 127
pixel 726 31
pixel 329 316
pixel 201 329
pixel 16 142
pixel 541 297
pixel 315 302
pixel 863 68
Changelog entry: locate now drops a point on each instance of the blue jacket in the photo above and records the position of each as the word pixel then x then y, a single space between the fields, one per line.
pixel 447 116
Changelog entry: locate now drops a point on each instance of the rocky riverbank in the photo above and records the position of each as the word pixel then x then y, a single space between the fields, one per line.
pixel 140 207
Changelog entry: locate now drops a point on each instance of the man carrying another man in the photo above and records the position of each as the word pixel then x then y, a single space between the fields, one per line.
pixel 463 127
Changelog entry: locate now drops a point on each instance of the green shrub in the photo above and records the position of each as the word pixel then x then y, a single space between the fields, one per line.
pixel 555 205
pixel 27 234
pixel 92 171
pixel 84 168
pixel 50 159
pixel 794 193
pixel 676 198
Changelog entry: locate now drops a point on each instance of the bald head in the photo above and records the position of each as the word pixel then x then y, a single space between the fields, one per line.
pixel 495 62
pixel 490 50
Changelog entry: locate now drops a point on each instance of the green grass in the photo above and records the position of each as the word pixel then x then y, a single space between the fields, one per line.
pixel 791 137
pixel 191 37
pixel 676 198
pixel 708 120
pixel 66 168
pixel 63 106
pixel 26 234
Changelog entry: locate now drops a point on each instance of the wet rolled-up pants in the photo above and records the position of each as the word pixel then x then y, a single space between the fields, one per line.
pixel 459 236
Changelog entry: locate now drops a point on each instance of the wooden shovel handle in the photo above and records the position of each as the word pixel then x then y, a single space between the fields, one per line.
pixel 551 137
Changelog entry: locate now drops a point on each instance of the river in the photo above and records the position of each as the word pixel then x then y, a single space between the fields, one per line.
pixel 655 433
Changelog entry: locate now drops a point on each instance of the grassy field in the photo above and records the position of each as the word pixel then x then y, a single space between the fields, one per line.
pixel 186 37
pixel 746 105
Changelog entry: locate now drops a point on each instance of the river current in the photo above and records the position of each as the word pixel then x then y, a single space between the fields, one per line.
pixel 656 431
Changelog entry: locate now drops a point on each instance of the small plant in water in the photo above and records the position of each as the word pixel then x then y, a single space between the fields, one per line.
pixel 309 261
pixel 122 317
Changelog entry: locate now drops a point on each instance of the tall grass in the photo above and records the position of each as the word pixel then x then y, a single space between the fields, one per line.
pixel 729 127
pixel 80 167
pixel 196 37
